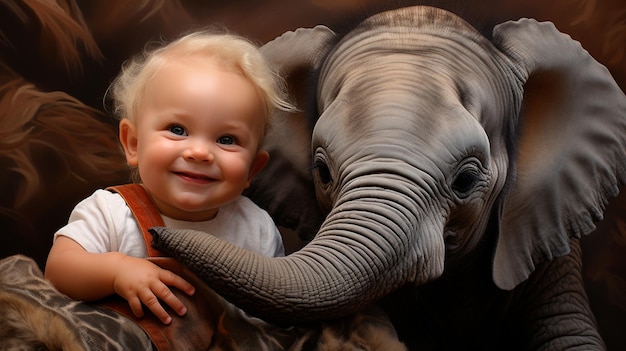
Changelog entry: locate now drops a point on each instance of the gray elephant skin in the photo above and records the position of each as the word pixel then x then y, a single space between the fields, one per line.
pixel 454 175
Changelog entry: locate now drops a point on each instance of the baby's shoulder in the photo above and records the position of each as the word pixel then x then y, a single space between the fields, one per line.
pixel 243 203
pixel 103 199
pixel 107 195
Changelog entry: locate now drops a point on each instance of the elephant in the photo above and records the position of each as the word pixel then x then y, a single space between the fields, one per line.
pixel 443 174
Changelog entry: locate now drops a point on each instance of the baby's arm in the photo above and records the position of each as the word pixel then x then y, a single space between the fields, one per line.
pixel 91 276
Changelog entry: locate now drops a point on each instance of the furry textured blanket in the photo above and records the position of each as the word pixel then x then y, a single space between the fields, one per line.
pixel 36 316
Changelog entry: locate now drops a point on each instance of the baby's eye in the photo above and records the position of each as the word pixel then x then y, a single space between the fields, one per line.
pixel 178 130
pixel 226 140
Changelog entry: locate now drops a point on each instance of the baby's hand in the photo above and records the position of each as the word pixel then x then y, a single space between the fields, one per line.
pixel 142 282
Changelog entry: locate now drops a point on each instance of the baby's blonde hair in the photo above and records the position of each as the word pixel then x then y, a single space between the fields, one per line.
pixel 233 51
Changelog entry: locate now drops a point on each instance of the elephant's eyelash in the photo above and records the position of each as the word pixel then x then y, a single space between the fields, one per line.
pixel 316 165
pixel 322 171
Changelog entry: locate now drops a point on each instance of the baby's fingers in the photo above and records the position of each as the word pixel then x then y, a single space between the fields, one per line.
pixel 151 300
pixel 135 306
pixel 171 279
pixel 167 296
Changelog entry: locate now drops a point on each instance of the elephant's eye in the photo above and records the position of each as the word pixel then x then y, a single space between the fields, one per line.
pixel 465 182
pixel 322 171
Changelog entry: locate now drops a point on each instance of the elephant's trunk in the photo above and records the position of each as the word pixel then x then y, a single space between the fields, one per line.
pixel 359 255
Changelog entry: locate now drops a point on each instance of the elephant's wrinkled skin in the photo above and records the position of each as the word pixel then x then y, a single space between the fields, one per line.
pixel 457 174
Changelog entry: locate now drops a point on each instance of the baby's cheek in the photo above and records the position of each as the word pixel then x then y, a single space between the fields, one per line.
pixel 240 170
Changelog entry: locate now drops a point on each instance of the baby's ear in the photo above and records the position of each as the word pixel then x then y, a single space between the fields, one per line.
pixel 259 162
pixel 128 138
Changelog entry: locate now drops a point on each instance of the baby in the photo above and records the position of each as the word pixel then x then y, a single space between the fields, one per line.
pixel 193 115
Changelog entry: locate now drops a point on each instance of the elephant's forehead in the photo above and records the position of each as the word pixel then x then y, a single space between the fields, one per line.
pixel 394 94
pixel 424 62
pixel 410 38
pixel 390 130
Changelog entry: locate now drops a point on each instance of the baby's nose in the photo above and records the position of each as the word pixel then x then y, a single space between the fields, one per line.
pixel 199 152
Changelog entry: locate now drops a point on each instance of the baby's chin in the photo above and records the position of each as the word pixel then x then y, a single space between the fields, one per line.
pixel 188 210
pixel 191 214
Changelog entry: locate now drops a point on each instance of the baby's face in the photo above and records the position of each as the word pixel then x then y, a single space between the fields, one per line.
pixel 198 132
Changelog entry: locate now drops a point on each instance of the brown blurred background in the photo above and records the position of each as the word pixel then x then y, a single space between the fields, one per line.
pixel 58 142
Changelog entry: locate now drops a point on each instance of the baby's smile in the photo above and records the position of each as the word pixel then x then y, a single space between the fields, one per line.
pixel 195 177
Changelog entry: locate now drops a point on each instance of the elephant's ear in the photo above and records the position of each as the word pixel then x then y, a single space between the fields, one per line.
pixel 285 187
pixel 572 148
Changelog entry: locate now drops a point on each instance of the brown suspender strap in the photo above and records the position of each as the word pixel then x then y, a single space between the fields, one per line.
pixel 144 210
pixel 195 330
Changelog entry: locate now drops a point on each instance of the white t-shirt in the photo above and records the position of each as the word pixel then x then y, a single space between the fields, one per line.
pixel 104 223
